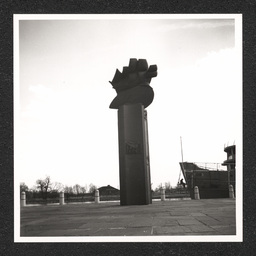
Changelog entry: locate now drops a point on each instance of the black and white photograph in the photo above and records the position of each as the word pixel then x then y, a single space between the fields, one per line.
pixel 128 128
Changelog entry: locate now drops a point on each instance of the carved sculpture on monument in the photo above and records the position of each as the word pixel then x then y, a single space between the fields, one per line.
pixel 132 85
pixel 134 94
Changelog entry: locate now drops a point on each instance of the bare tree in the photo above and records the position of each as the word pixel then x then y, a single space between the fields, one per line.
pixel 77 189
pixel 84 189
pixel 68 189
pixel 92 188
pixel 57 186
pixel 44 185
pixel 47 183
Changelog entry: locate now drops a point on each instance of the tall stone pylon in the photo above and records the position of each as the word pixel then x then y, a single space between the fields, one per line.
pixel 133 95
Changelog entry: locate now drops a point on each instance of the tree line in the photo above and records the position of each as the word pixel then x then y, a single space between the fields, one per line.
pixel 45 188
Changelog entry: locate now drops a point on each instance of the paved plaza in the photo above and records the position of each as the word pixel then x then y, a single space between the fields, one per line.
pixel 161 218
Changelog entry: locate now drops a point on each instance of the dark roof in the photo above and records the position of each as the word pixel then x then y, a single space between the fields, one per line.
pixel 108 187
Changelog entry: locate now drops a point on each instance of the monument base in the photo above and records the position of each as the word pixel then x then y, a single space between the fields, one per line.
pixel 134 168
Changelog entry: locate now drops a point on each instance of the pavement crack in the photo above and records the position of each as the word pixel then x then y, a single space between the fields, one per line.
pixel 212 217
pixel 118 228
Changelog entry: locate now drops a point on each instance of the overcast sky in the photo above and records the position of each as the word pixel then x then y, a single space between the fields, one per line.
pixel 64 127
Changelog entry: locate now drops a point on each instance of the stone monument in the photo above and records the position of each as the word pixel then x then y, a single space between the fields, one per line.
pixel 134 94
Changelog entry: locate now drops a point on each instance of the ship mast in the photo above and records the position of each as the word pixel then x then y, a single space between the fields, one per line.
pixel 181 158
pixel 181 149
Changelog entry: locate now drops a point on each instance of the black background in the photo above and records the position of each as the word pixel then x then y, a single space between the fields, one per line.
pixel 8 8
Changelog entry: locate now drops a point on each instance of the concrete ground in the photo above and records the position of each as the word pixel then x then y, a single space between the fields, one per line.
pixel 170 218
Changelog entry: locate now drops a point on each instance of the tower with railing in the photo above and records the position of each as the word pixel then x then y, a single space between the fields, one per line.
pixel 230 162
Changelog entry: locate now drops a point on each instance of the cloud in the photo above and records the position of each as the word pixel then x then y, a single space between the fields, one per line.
pixel 41 98
pixel 220 58
pixel 196 24
pixel 40 90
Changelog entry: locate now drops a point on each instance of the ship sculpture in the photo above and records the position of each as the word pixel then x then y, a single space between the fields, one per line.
pixel 211 178
pixel 133 84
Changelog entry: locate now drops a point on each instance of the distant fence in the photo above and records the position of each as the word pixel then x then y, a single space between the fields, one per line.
pixel 173 193
pixel 72 199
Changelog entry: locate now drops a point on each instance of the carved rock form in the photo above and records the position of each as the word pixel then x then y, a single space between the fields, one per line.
pixel 132 85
